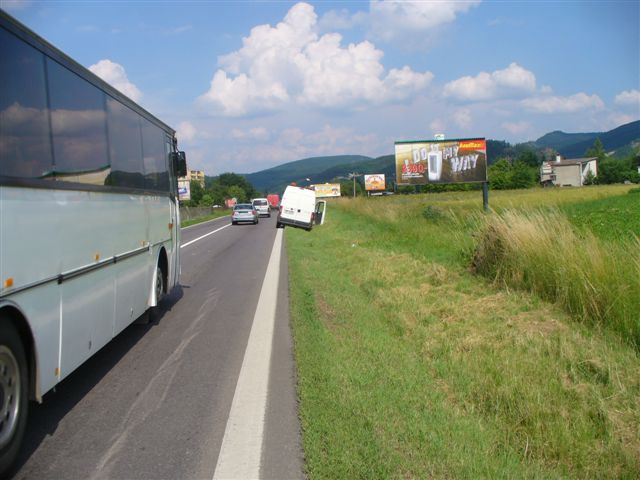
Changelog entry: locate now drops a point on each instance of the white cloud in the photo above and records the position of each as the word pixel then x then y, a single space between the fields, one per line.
pixel 253 134
pixel 115 75
pixel 291 64
pixel 574 103
pixel 15 5
pixel 437 126
pixel 186 131
pixel 629 98
pixel 463 118
pixel 517 128
pixel 512 81
pixel 401 19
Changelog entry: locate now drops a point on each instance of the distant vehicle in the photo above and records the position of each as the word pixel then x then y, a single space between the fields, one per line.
pixel 244 213
pixel 274 201
pixel 89 219
pixel 262 206
pixel 297 208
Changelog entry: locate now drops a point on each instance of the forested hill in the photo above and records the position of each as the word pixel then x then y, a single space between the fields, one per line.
pixel 326 169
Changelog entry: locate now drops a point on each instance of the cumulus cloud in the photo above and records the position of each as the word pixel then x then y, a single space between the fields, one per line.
pixel 253 134
pixel 400 19
pixel 186 131
pixel 291 64
pixel 517 128
pixel 628 98
pixel 463 118
pixel 574 103
pixel 115 75
pixel 510 82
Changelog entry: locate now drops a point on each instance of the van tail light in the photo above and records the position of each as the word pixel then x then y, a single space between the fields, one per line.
pixel 280 209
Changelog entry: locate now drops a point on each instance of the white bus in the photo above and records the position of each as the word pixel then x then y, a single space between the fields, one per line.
pixel 89 219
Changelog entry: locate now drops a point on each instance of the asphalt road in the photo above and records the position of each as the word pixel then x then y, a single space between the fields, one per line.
pixel 154 403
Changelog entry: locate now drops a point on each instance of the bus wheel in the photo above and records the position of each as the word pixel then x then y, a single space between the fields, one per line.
pixel 159 284
pixel 154 313
pixel 13 394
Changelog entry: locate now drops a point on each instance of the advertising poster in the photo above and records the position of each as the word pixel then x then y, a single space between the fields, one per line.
pixel 441 161
pixel 184 190
pixel 374 183
pixel 327 190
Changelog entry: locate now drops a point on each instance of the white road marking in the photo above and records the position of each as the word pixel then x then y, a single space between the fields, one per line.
pixel 205 235
pixel 241 447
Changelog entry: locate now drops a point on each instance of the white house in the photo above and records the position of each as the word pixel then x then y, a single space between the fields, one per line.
pixel 571 172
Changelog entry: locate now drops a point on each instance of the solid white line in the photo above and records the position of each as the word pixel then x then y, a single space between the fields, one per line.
pixel 242 442
pixel 205 235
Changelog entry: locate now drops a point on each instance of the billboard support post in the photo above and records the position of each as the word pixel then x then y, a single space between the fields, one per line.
pixel 485 196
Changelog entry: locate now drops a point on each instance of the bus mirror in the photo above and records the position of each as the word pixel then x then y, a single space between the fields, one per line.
pixel 179 163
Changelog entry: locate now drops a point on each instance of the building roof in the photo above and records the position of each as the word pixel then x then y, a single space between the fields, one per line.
pixel 571 161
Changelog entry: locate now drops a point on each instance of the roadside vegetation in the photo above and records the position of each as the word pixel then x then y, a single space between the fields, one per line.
pixel 434 340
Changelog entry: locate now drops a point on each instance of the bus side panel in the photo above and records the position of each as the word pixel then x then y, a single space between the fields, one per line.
pixel 87 317
pixel 41 306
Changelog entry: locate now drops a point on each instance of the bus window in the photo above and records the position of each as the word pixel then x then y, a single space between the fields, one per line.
pixel 156 169
pixel 78 123
pixel 125 146
pixel 25 143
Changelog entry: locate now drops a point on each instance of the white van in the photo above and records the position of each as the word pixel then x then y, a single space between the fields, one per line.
pixel 297 208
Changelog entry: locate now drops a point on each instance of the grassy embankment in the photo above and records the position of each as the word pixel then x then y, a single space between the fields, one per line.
pixel 412 366
pixel 206 218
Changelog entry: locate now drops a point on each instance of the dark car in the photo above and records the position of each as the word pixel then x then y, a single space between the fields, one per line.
pixel 244 212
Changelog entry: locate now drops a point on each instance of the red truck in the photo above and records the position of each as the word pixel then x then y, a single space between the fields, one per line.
pixel 274 201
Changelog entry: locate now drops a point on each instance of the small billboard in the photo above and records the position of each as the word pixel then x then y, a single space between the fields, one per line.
pixel 327 190
pixel 441 161
pixel 184 190
pixel 374 182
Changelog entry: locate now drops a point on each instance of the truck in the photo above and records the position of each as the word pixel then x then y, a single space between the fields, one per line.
pixel 274 201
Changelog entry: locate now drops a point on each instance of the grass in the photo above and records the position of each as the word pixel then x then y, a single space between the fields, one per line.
pixel 411 366
pixel 206 218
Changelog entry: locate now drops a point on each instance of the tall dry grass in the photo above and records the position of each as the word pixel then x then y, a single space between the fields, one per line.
pixel 598 282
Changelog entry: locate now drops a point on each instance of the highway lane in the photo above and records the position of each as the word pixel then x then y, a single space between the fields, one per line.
pixel 154 402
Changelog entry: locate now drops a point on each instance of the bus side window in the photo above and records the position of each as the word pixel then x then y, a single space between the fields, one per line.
pixel 156 168
pixel 79 127
pixel 25 142
pixel 125 146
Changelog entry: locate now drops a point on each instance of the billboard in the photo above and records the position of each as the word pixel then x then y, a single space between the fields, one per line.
pixel 374 183
pixel 327 190
pixel 441 161
pixel 184 190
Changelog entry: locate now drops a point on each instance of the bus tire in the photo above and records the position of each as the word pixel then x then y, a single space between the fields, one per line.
pixel 13 394
pixel 154 312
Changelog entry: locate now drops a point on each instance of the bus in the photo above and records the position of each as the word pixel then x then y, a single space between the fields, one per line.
pixel 89 219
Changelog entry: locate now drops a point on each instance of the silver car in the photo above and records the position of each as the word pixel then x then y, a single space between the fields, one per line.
pixel 244 212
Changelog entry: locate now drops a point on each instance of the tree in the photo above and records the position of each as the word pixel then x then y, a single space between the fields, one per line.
pixel 196 193
pixel 500 174
pixel 596 151
pixel 234 191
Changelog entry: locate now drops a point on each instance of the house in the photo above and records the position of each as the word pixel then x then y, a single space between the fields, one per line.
pixel 194 175
pixel 568 173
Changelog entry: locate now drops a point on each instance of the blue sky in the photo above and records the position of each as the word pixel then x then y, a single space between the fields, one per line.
pixel 251 85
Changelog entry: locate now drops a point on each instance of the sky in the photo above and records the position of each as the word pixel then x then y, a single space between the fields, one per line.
pixel 252 85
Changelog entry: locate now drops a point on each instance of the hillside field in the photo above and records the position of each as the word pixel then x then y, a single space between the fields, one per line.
pixel 428 343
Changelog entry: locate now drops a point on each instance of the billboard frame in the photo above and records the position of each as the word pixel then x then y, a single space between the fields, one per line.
pixel 438 142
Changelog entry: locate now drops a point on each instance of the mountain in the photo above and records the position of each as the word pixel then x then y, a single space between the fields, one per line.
pixel 277 178
pixel 325 169
pixel 574 145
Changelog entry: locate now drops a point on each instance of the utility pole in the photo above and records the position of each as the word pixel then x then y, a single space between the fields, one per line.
pixel 354 175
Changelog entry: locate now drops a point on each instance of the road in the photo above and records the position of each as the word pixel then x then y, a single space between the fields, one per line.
pixel 155 402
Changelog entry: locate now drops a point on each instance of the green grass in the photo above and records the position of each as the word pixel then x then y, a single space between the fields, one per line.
pixel 206 218
pixel 611 218
pixel 411 366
